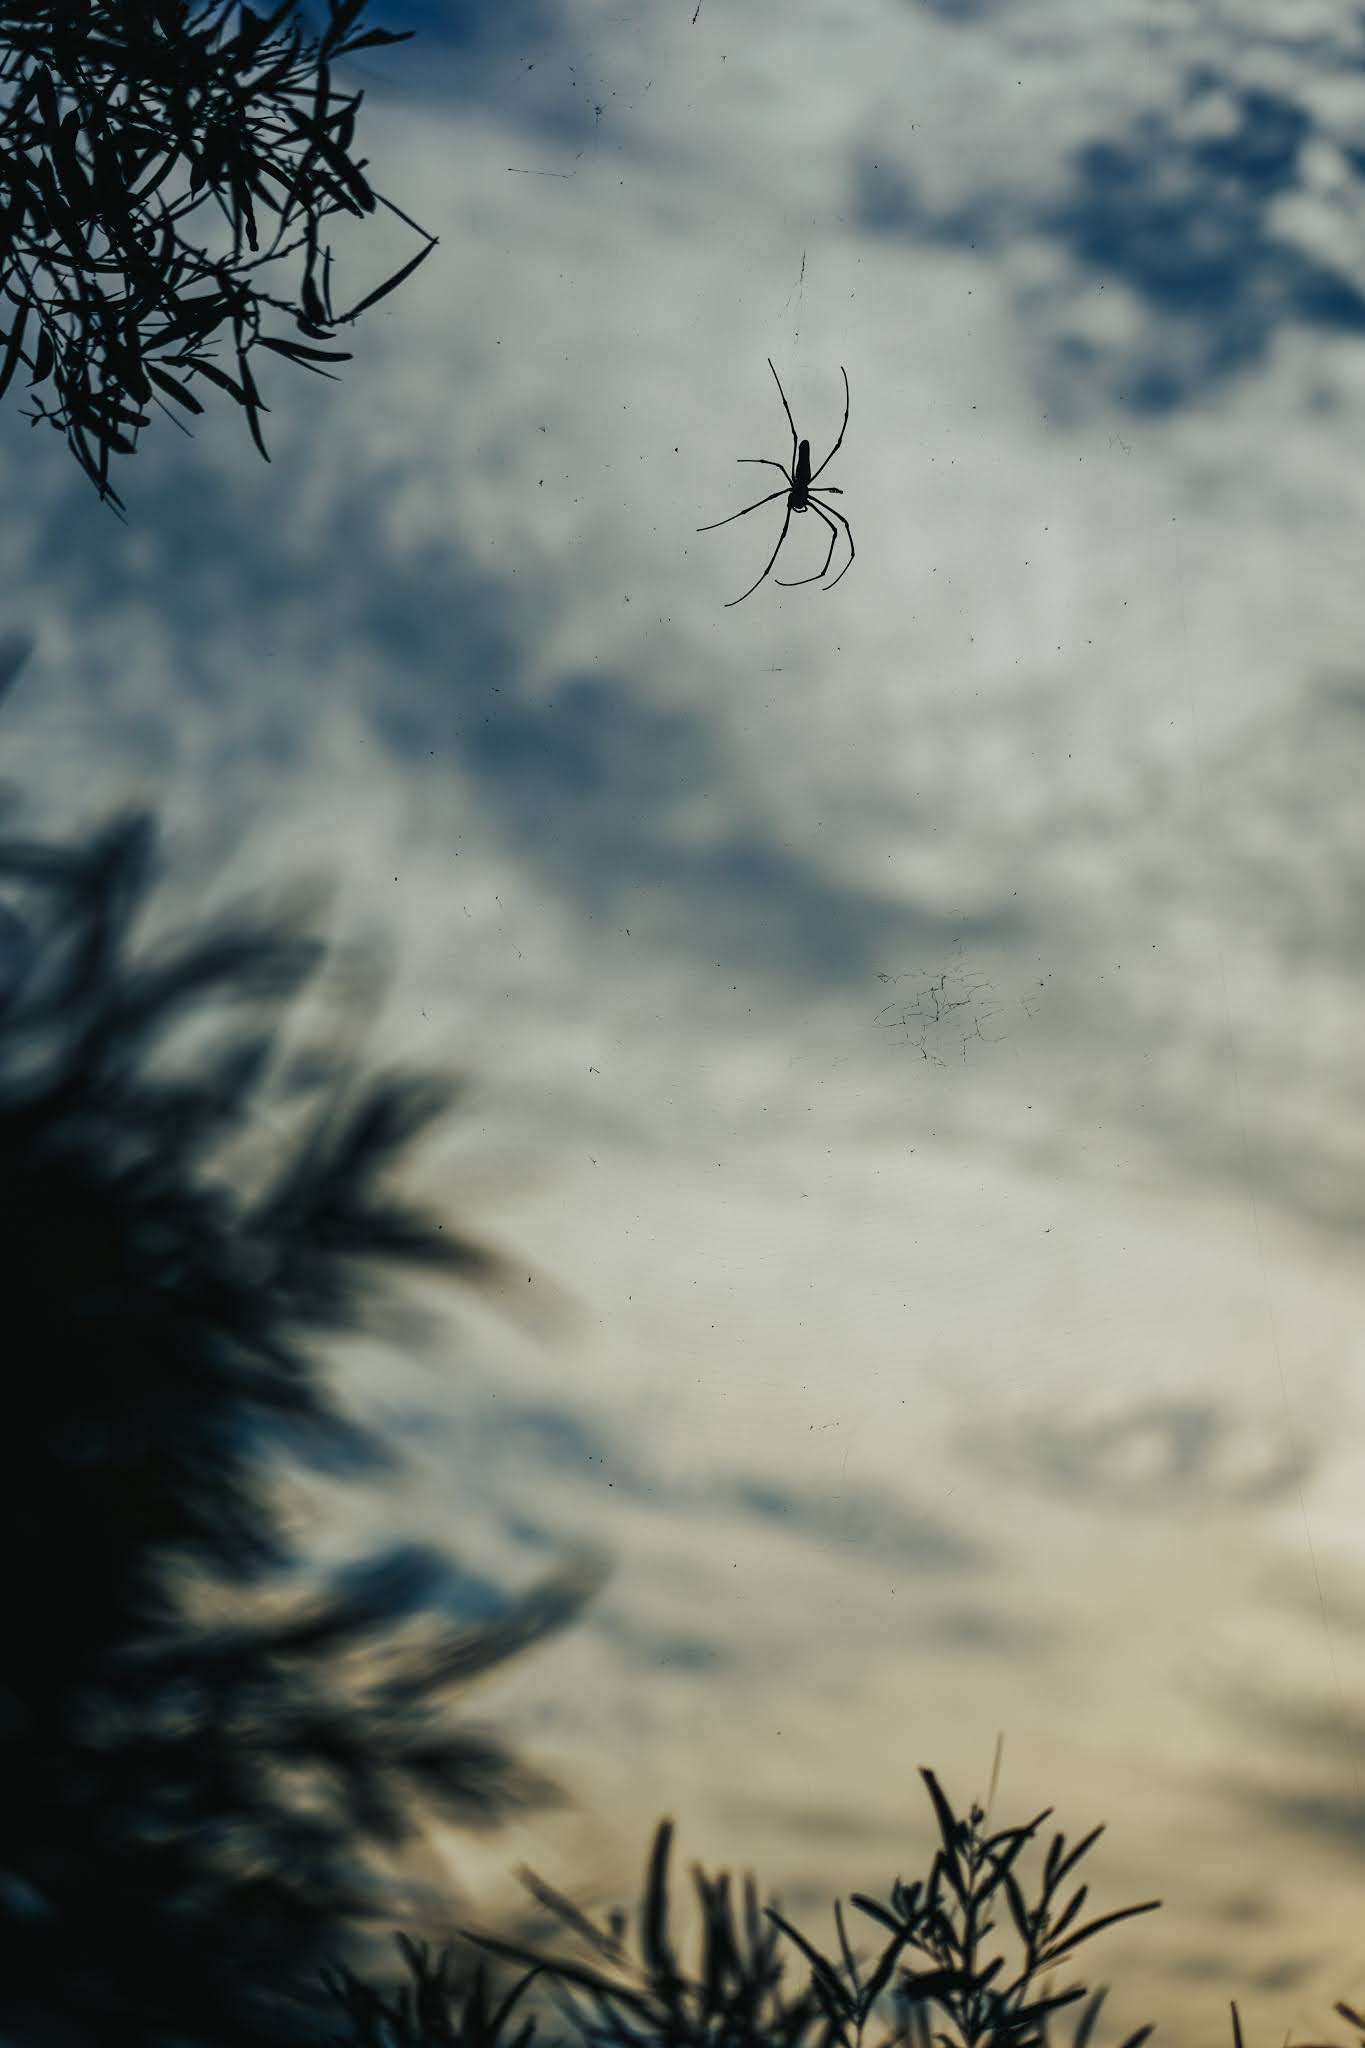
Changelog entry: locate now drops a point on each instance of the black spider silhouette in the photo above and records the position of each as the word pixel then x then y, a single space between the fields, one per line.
pixel 800 498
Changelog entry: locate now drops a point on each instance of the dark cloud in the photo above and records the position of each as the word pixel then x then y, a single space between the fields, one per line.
pixel 976 1629
pixel 1179 208
pixel 1280 821
pixel 15 649
pixel 1336 1822
pixel 649 1649
pixel 553 1438
pixel 504 1443
pixel 1156 1455
pixel 1245 1909
pixel 1293 1591
pixel 888 200
pixel 1314 1741
pixel 592 783
pixel 1313 1729
pixel 1285 1973
pixel 869 1521
pixel 964 13
pixel 1185 221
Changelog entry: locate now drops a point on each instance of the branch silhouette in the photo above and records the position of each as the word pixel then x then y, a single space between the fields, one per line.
pixel 154 170
pixel 186 1799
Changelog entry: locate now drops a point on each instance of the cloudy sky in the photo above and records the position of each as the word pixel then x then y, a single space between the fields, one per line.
pixel 913 1026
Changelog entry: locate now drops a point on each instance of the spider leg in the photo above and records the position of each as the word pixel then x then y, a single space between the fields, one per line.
pixel 790 583
pixel 740 514
pixel 771 559
pixel 768 463
pixel 786 408
pixel 842 431
pixel 852 551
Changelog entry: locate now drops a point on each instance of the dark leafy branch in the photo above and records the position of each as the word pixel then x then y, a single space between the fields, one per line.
pixel 157 161
pixel 736 2000
pixel 190 1795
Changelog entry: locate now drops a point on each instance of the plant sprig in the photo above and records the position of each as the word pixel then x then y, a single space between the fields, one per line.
pixel 737 2000
pixel 945 1920
pixel 123 121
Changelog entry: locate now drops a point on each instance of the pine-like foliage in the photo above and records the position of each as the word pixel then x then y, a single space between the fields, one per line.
pixel 185 1801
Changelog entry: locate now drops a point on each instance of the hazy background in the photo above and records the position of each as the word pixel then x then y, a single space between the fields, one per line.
pixel 917 1024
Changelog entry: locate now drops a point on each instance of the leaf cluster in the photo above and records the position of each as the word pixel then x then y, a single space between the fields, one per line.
pixel 134 136
pixel 441 2005
pixel 737 2000
pixel 185 1797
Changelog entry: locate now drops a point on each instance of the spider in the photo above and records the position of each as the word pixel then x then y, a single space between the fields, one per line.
pixel 800 498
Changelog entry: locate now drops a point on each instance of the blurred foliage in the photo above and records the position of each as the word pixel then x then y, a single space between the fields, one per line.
pixel 155 161
pixel 185 1794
